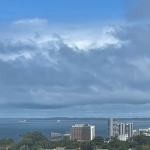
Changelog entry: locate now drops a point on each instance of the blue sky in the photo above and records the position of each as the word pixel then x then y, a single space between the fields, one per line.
pixel 62 10
pixel 68 58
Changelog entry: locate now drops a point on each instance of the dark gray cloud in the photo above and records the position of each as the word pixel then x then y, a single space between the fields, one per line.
pixel 66 77
pixel 138 9
pixel 28 105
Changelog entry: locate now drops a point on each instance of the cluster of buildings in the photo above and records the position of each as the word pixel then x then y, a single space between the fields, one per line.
pixel 145 132
pixel 123 131
pixel 86 132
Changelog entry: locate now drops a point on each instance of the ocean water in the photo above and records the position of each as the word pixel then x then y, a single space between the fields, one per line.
pixel 11 128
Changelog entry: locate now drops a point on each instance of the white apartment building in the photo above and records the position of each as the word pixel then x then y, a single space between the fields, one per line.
pixel 113 129
pixel 122 131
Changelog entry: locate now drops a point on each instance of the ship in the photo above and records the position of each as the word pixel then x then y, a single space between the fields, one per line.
pixel 21 121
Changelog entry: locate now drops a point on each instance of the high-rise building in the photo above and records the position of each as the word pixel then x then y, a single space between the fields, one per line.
pixel 129 129
pixel 113 128
pixel 122 130
pixel 82 132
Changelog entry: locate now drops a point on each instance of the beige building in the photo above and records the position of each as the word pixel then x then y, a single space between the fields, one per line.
pixel 82 132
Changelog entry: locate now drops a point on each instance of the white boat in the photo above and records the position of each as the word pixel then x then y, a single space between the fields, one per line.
pixel 58 121
pixel 21 120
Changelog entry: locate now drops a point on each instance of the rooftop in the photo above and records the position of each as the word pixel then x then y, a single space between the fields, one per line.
pixel 81 125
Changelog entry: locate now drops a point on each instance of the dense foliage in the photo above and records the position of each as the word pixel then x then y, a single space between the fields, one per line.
pixel 36 141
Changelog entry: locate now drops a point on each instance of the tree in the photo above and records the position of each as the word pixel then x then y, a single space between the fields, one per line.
pixel 35 136
pixel 98 141
pixel 27 142
pixel 104 146
pixel 141 139
pixel 145 147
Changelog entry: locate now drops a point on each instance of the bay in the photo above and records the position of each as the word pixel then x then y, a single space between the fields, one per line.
pixel 11 128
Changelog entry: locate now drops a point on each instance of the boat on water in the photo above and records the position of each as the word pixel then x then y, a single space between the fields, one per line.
pixel 21 121
pixel 58 121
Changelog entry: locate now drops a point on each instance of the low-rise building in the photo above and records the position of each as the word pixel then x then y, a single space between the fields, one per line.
pixel 136 132
pixel 123 137
pixel 145 132
pixel 58 136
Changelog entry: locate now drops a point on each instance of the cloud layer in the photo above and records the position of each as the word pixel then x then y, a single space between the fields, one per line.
pixel 138 9
pixel 70 67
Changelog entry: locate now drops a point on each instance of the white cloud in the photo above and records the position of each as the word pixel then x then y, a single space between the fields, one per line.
pixel 42 32
pixel 28 22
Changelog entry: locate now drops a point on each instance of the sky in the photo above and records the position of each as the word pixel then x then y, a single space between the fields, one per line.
pixel 69 58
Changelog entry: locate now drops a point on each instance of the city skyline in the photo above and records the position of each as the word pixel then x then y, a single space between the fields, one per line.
pixel 74 58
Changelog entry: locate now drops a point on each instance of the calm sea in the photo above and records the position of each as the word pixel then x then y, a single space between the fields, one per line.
pixel 11 128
